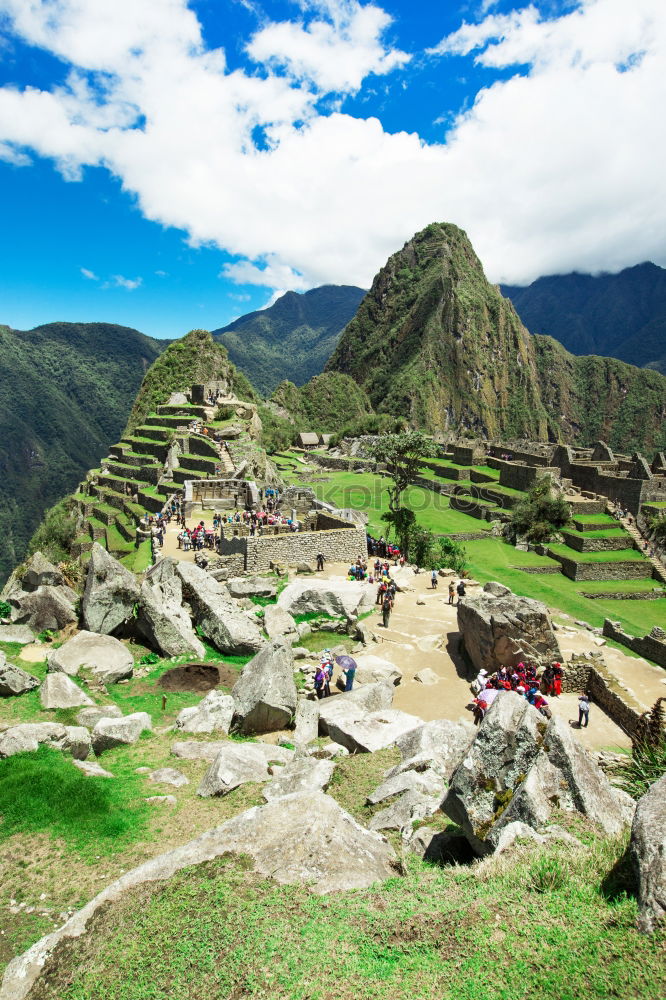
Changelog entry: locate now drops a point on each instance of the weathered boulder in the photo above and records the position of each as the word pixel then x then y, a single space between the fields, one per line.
pixel 367 698
pixel 110 733
pixel 289 840
pixel 496 589
pixel 362 732
pixel 426 676
pixel 27 736
pixel 265 693
pixel 648 850
pixel 339 598
pixel 504 630
pixel 278 623
pixel 403 577
pixel 301 775
pixel 161 800
pixel 168 776
pixel 110 593
pixel 439 745
pixel 89 717
pixel 251 586
pixel 401 814
pixel 162 619
pixel 238 763
pixel 14 680
pixel 91 769
pixel 20 634
pixel 59 691
pixel 213 714
pixel 426 782
pixel 37 572
pixel 306 721
pixel 372 669
pixel 198 750
pixel 45 608
pixel 219 618
pixel 107 660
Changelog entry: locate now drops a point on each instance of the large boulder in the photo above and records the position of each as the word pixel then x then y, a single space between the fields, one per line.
pixel 218 617
pixel 339 598
pixel 110 733
pixel 265 693
pixel 289 840
pixel 439 745
pixel 110 593
pixel 162 619
pixel 45 608
pixel 364 699
pixel 37 572
pixel 14 680
pixel 213 714
pixel 518 769
pixel 371 669
pixel 404 811
pixel 502 631
pixel 106 659
pixel 426 782
pixel 362 732
pixel 89 717
pixel 238 763
pixel 28 736
pixel 20 634
pixel 251 586
pixel 648 850
pixel 59 691
pixel 301 775
pixel 306 722
pixel 278 623
pixel 198 750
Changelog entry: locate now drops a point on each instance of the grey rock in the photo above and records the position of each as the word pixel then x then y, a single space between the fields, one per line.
pixel 27 736
pixel 496 589
pixel 278 622
pixel 168 776
pixel 251 586
pixel 339 598
pixel 222 622
pixel 110 733
pixel 368 732
pixel 500 631
pixel 439 744
pixel 426 782
pixel 402 813
pixel 265 693
pixel 648 851
pixel 161 800
pixel 329 751
pixel 238 763
pixel 198 750
pixel 45 608
pixel 516 831
pixel 91 769
pixel 162 619
pixel 213 714
pixel 110 593
pixel 20 634
pixel 372 669
pixel 107 660
pixel 301 775
pixel 426 676
pixel 14 680
pixel 367 698
pixel 89 717
pixel 59 691
pixel 306 721
pixel 37 572
pixel 301 653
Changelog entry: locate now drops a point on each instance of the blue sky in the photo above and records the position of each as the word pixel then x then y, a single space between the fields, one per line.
pixel 167 165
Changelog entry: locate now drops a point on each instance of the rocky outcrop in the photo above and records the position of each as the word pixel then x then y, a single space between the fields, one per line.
pixel 278 623
pixel 237 763
pixel 404 811
pixel 439 745
pixel 265 693
pixel 14 680
pixel 288 840
pixel 372 669
pixel 338 598
pixel 504 630
pixel 251 586
pixel 110 593
pixel 26 737
pixel 213 714
pixel 306 722
pixel 220 620
pixel 102 656
pixel 168 776
pixel 362 732
pixel 648 850
pixel 59 691
pixel 426 782
pixel 20 634
pixel 45 608
pixel 110 733
pixel 520 768
pixel 162 619
pixel 364 699
pixel 36 572
pixel 89 717
pixel 301 775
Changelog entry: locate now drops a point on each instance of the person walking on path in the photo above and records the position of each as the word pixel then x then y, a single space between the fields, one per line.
pixel 461 590
pixel 433 579
pixel 452 591
pixel 583 710
pixel 320 562
pixel 387 608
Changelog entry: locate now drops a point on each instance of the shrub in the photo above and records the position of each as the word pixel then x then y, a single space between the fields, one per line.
pixel 647 762
pixel 540 515
pixel 56 533
pixel 5 609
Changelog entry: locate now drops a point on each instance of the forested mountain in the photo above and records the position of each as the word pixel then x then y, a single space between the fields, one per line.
pixel 293 339
pixel 65 393
pixel 617 315
pixel 435 342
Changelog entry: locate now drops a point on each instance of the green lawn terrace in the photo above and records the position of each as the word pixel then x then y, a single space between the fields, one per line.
pixel 134 469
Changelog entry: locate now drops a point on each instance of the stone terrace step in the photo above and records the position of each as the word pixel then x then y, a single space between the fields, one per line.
pixel 185 409
pixel 154 433
pixel 149 473
pixel 170 423
pixel 157 449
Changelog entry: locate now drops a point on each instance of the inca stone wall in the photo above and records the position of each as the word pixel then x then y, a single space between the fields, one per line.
pixel 584 674
pixel 336 545
pixel 652 647
pixel 587 544
pixel 638 570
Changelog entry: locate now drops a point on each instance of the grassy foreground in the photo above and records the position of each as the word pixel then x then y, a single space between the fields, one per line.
pixel 557 925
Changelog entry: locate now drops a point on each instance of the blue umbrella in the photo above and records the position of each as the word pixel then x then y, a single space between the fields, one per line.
pixel 346 662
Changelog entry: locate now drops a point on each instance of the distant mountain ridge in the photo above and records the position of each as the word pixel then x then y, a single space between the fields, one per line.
pixel 615 315
pixel 292 339
pixel 65 393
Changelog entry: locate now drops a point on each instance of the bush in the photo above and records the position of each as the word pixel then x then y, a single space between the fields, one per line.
pixel 540 515
pixel 452 554
pixel 277 433
pixel 5 609
pixel 224 412
pixel 647 762
pixel 56 533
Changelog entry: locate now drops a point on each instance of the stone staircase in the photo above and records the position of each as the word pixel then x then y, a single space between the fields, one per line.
pixel 657 564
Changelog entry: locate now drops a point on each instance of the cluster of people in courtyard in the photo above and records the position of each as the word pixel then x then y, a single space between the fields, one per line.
pixel 524 680
pixel 324 674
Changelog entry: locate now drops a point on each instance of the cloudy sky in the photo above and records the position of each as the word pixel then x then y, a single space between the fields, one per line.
pixel 169 164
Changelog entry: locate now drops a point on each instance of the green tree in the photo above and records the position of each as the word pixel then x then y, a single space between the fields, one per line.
pixel 452 554
pixel 403 454
pixel 542 513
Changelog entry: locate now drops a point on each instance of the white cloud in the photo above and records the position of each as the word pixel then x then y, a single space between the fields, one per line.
pixel 129 284
pixel 90 275
pixel 559 166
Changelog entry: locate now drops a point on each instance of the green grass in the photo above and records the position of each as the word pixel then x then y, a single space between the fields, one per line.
pixel 594 518
pixel 619 555
pixel 600 533
pixel 42 792
pixel 621 586
pixel 556 924
pixel 323 639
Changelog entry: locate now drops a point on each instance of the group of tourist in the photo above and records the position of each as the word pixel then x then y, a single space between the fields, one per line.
pixel 525 681
pixel 385 550
pixel 324 674
pixel 197 538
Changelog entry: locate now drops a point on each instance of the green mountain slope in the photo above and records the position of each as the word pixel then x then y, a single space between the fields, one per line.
pixel 435 342
pixel 326 403
pixel 292 339
pixel 65 392
pixel 618 315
